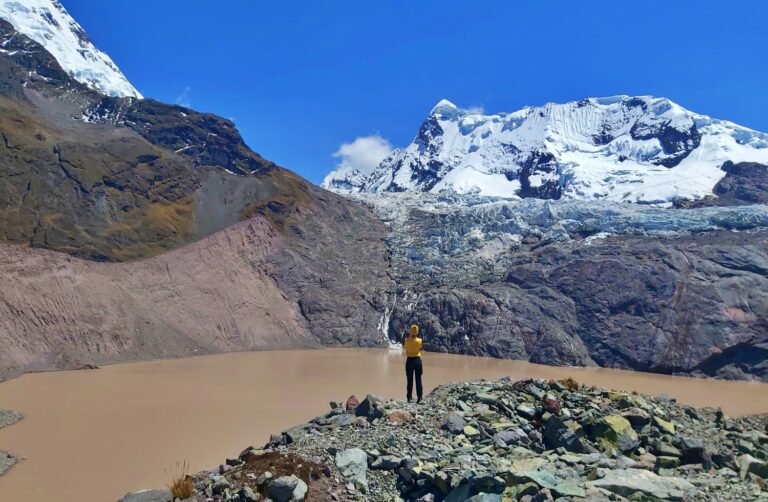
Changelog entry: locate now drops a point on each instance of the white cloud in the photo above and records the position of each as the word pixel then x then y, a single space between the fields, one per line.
pixel 478 110
pixel 363 154
pixel 185 98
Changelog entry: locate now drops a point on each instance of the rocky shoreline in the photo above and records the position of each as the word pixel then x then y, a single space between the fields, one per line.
pixel 7 417
pixel 529 440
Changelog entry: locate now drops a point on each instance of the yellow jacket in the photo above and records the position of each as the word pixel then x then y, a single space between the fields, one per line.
pixel 412 346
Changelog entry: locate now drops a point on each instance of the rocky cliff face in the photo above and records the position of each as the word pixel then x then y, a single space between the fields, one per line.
pixel 578 284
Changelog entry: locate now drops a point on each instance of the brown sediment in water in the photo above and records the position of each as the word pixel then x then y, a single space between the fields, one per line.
pixel 94 435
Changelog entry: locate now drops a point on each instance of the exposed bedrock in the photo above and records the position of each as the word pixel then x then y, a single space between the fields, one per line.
pixel 684 304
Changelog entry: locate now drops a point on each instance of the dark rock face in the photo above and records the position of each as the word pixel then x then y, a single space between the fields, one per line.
pixel 687 304
pixel 676 144
pixel 744 183
pixel 539 163
pixel 207 139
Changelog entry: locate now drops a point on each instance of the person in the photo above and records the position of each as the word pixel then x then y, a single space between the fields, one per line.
pixel 413 368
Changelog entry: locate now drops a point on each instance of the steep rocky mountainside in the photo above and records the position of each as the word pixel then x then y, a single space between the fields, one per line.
pixel 664 290
pixel 621 148
pixel 111 179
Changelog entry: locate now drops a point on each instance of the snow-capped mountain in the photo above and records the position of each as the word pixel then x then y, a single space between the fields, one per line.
pixel 623 148
pixel 48 23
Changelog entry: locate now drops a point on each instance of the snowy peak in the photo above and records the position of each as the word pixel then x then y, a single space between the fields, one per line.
pixel 48 23
pixel 626 148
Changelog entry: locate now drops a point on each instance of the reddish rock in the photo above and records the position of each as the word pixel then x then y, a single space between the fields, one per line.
pixel 550 404
pixel 399 417
pixel 352 403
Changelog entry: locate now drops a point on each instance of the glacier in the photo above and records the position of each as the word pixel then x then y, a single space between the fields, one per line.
pixel 473 239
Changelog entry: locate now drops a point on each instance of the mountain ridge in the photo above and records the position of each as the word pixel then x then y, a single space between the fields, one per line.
pixel 627 148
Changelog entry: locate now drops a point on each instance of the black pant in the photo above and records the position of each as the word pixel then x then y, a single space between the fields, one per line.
pixel 413 366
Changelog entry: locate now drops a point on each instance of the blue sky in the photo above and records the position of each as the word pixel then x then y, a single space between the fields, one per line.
pixel 302 78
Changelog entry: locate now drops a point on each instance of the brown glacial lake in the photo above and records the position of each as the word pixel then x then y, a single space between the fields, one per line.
pixel 94 435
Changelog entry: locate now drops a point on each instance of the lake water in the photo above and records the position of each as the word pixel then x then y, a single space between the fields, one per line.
pixel 94 435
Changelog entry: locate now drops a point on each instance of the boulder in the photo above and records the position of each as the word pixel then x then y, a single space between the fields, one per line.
pixel 487 483
pixel 638 417
pixel 558 435
pixel 352 403
pixel 550 404
pixel 511 437
pixel 287 489
pixel 353 466
pixel 398 417
pixel 526 411
pixel 664 449
pixel 638 483
pixel 386 463
pixel 694 452
pixel 454 423
pixel 470 431
pixel 748 464
pixel 370 408
pixel 664 425
pixel 667 463
pixel 614 430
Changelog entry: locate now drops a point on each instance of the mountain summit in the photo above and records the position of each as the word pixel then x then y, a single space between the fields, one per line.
pixel 623 148
pixel 48 23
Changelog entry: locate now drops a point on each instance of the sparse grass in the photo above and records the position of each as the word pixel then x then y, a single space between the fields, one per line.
pixel 570 384
pixel 182 486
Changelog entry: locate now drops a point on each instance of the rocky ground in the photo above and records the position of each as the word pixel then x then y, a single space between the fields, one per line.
pixel 7 417
pixel 528 440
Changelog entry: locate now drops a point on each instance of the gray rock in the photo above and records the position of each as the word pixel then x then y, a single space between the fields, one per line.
pixel 287 489
pixel 353 466
pixel 558 435
pixel 6 462
pixel 487 483
pixel 569 489
pixel 454 423
pixel 459 494
pixel 526 411
pixel 638 482
pixel 264 478
pixel 8 417
pixel 511 437
pixel 694 452
pixel 485 497
pixel 147 496
pixel 247 495
pixel 666 450
pixel 386 463
pixel 341 420
pixel 637 417
pixel 748 464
